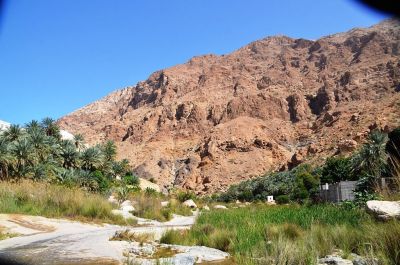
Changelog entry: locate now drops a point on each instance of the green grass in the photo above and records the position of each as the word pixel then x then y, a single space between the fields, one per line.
pixel 49 200
pixel 149 206
pixel 290 235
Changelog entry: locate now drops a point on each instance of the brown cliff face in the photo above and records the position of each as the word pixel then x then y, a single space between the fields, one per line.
pixel 275 103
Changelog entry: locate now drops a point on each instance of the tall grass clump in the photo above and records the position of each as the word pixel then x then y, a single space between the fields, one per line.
pixel 50 200
pixel 293 235
pixel 148 205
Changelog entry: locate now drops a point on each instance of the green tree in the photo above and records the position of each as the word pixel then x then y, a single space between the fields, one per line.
pixel 33 125
pixel 79 141
pixel 91 158
pixel 13 133
pixel 370 161
pixel 24 155
pixel 337 169
pixel 109 151
pixel 39 142
pixel 69 155
pixel 6 160
pixel 51 128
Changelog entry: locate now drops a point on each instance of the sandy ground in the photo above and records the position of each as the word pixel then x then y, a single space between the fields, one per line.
pixel 57 241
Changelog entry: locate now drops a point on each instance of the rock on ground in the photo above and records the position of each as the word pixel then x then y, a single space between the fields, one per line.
pixel 384 210
pixel 190 203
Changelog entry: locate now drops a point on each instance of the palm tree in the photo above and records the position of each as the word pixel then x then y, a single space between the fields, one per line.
pixel 79 141
pixel 51 128
pixel 371 159
pixel 40 142
pixel 24 155
pixel 91 158
pixel 45 170
pixel 13 133
pixel 109 151
pixel 6 159
pixel 69 154
pixel 33 125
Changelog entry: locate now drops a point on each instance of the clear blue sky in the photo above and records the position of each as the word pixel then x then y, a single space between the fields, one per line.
pixel 57 56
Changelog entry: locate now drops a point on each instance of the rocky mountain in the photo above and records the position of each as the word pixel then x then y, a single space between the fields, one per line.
pixel 270 105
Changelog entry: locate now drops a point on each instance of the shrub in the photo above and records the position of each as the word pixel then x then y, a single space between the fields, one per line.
pixel 150 191
pixel 221 239
pixel 102 181
pixel 291 231
pixel 337 169
pixel 282 199
pixel 130 179
pixel 172 236
pixel 185 195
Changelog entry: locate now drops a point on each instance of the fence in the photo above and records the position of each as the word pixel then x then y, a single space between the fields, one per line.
pixel 344 190
pixel 338 192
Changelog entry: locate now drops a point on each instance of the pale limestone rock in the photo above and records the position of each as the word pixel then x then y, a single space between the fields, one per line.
pixel 190 203
pixel 384 210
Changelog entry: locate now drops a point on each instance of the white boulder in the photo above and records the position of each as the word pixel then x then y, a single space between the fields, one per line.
pixel 112 199
pixel 125 215
pixel 165 204
pixel 384 210
pixel 218 206
pixel 334 260
pixel 127 208
pixel 126 203
pixel 205 207
pixel 190 203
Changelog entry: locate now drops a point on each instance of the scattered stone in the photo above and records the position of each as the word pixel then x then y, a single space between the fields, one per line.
pixel 180 255
pixel 334 260
pixel 384 210
pixel 112 199
pixel 165 204
pixel 126 203
pixel 205 207
pixel 124 214
pixel 127 208
pixel 358 260
pixel 220 206
pixel 190 203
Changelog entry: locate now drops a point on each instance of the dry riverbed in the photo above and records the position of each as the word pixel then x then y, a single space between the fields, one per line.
pixel 40 240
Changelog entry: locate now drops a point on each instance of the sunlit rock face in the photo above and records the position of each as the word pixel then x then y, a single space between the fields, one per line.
pixel 4 125
pixel 270 105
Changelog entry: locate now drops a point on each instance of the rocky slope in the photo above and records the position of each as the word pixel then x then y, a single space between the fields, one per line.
pixel 270 105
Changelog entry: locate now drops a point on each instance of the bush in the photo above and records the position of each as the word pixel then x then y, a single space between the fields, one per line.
pixel 185 195
pixel 172 236
pixel 102 181
pixel 130 179
pixel 337 169
pixel 282 199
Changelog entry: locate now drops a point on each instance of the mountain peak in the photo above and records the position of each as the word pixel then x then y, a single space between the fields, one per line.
pixel 270 105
